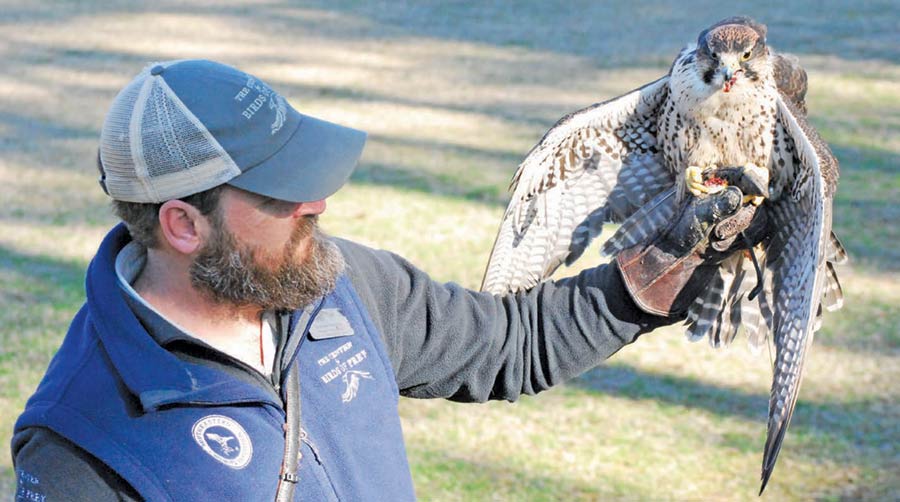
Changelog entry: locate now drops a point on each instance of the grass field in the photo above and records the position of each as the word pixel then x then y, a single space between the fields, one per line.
pixel 453 95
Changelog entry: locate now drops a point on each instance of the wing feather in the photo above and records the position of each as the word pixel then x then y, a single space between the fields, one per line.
pixel 791 79
pixel 594 166
pixel 801 222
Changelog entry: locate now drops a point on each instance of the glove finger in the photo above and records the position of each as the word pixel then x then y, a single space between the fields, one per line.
pixel 698 217
pixel 750 181
pixel 750 220
pixel 735 224
pixel 716 207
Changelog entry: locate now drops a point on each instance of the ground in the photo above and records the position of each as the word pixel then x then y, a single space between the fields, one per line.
pixel 453 96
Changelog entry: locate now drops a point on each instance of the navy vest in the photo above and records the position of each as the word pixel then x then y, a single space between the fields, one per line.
pixel 180 431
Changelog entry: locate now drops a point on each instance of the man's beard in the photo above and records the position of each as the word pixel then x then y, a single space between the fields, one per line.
pixel 233 273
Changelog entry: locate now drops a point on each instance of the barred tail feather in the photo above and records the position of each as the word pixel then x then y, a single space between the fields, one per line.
pixel 817 323
pixel 832 293
pixel 704 312
pixel 835 251
pixel 758 335
pixel 753 322
pixel 725 326
pixel 724 309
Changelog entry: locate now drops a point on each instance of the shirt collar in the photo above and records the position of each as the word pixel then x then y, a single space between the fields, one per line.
pixel 151 373
pixel 130 261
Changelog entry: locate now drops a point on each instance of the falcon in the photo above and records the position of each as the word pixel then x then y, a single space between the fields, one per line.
pixel 728 101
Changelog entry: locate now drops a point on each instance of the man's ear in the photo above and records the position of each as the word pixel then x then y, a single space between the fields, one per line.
pixel 183 227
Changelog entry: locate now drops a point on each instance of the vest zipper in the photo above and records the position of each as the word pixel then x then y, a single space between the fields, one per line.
pixel 304 436
pixel 327 481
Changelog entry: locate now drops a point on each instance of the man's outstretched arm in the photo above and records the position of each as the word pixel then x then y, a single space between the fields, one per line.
pixel 448 341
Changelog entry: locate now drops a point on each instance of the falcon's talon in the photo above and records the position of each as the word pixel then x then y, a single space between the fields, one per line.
pixel 694 173
pixel 760 175
pixel 761 170
pixel 753 199
pixel 693 177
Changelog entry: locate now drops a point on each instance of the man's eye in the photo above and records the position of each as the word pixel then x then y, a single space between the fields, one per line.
pixel 278 207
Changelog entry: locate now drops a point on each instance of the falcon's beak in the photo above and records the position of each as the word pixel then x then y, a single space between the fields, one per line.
pixel 730 71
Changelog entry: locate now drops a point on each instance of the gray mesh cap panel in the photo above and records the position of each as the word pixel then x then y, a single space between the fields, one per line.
pixel 152 147
pixel 115 143
pixel 171 142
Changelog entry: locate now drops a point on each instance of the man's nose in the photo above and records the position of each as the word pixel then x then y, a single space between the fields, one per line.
pixel 315 207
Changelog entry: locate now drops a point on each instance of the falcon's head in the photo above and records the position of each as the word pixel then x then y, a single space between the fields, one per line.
pixel 731 51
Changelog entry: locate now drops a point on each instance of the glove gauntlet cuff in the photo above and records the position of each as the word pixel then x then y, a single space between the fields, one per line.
pixel 663 284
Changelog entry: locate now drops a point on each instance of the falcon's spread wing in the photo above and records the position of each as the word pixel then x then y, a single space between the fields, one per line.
pixel 594 166
pixel 790 78
pixel 800 258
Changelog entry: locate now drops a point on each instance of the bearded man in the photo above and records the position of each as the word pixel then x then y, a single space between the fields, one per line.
pixel 228 350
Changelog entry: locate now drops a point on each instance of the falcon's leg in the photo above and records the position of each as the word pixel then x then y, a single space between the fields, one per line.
pixel 750 178
pixel 760 176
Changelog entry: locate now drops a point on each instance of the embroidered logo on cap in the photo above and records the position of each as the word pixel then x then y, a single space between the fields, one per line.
pixel 224 440
pixel 264 94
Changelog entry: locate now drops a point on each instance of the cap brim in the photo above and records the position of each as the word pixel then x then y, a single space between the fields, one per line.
pixel 311 166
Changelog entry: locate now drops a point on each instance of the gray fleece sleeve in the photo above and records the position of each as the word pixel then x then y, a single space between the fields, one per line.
pixel 50 467
pixel 447 341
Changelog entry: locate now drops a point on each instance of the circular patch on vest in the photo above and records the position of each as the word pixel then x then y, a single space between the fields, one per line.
pixel 224 440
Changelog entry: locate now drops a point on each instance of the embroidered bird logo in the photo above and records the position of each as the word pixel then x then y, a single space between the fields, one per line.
pixel 277 104
pixel 223 442
pixel 351 380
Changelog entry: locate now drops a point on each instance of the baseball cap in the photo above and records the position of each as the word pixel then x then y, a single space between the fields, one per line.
pixel 182 127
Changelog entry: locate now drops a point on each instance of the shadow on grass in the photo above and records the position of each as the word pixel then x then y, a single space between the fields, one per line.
pixel 377 174
pixel 473 480
pixel 528 113
pixel 18 128
pixel 429 176
pixel 622 34
pixel 867 208
pixel 614 34
pixel 869 427
pixel 28 279
pixel 877 161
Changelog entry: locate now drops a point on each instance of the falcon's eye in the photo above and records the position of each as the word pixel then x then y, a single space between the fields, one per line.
pixel 745 56
pixel 714 55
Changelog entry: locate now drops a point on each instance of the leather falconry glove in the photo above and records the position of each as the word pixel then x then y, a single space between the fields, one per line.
pixel 665 276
